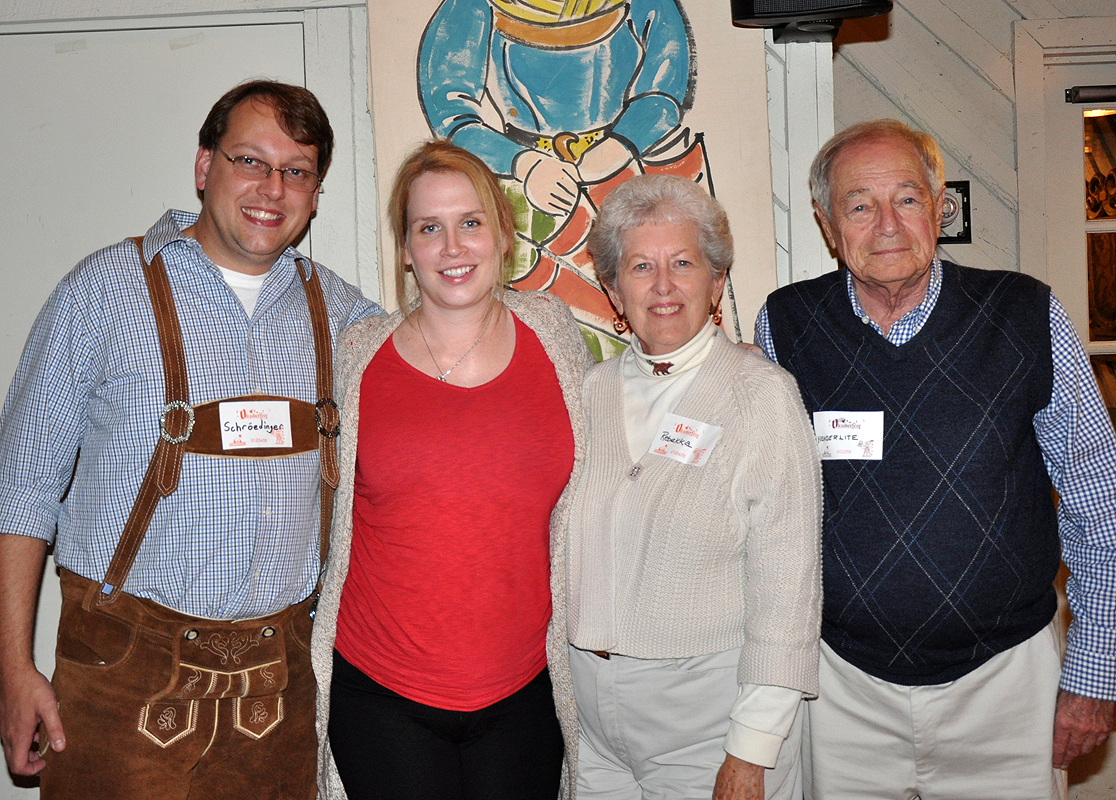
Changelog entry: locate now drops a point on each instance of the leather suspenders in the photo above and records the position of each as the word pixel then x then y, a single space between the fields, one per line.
pixel 178 420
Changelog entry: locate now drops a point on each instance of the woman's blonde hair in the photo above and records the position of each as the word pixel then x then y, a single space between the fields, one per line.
pixel 444 157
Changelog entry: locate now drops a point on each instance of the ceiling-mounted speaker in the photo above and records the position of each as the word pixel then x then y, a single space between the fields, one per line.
pixel 803 20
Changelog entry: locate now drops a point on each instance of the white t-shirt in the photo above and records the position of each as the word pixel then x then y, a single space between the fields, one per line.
pixel 245 287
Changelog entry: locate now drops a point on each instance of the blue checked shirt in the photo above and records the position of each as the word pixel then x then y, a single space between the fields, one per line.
pixel 239 538
pixel 1078 445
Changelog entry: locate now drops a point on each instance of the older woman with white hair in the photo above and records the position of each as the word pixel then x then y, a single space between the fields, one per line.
pixel 694 576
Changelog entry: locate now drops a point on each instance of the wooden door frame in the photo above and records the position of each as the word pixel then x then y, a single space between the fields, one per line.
pixel 1068 41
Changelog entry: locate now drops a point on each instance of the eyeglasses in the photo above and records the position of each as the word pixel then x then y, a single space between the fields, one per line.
pixel 301 180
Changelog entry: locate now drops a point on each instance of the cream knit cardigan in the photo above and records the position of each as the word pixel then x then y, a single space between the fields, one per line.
pixel 669 560
pixel 553 323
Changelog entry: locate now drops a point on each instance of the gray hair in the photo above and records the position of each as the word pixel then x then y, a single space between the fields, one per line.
pixel 928 154
pixel 658 198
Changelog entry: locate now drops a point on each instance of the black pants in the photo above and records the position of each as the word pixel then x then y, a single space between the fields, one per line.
pixel 390 748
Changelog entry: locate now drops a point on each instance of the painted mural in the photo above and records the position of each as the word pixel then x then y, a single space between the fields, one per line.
pixel 564 100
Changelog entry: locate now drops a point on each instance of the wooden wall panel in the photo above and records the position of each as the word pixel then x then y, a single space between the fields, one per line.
pixel 990 21
pixel 1079 8
pixel 945 66
pixel 800 120
pixel 984 49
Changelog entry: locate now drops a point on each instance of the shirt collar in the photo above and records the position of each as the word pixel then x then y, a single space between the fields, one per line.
pixel 910 323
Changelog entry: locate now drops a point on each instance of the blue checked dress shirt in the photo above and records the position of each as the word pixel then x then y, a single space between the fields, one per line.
pixel 1078 446
pixel 240 537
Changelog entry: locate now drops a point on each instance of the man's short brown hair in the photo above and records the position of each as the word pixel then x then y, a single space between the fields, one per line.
pixel 298 111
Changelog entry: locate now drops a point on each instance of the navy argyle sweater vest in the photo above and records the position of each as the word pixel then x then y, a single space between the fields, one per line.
pixel 943 553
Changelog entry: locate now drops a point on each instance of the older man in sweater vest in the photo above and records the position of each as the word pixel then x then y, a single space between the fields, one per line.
pixel 945 400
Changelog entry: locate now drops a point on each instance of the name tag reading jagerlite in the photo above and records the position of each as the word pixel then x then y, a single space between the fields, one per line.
pixel 849 435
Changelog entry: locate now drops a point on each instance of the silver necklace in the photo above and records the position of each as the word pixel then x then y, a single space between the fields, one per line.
pixel 442 376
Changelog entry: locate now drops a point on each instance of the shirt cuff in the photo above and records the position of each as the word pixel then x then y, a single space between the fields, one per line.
pixel 1087 672
pixel 769 712
pixel 753 746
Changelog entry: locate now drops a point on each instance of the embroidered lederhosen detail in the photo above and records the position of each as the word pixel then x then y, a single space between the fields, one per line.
pixel 216 661
pixel 183 660
pixel 258 716
pixel 213 659
pixel 167 723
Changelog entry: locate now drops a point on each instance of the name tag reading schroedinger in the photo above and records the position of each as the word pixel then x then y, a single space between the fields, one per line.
pixel 685 440
pixel 849 435
pixel 262 423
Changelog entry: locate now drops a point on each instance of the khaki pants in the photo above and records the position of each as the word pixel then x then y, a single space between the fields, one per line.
pixel 988 735
pixel 156 704
pixel 654 729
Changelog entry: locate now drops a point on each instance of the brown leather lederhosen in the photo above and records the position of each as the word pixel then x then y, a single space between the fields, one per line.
pixel 242 661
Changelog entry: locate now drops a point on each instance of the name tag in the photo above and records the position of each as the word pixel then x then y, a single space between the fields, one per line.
pixel 685 440
pixel 849 435
pixel 264 423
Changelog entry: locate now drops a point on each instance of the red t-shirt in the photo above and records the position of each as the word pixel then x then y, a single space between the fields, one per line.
pixel 447 599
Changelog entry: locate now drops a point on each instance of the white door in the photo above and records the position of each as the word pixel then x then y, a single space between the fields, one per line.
pixel 100 133
pixel 1078 208
pixel 1052 56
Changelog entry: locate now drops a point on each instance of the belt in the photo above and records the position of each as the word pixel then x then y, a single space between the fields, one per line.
pixel 569 147
pixel 163 622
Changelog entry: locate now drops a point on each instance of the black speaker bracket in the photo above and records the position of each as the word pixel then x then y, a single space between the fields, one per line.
pixel 812 30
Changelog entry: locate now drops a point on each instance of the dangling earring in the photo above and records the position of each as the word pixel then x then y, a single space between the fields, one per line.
pixel 619 323
pixel 716 312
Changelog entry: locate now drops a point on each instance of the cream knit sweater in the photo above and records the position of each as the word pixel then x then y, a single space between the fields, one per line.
pixel 669 560
pixel 553 323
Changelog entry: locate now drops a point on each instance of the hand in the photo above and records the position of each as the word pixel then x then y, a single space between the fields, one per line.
pixel 603 160
pixel 1080 725
pixel 550 185
pixel 26 698
pixel 754 348
pixel 738 780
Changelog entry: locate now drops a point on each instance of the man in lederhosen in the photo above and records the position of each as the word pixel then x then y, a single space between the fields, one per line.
pixel 169 430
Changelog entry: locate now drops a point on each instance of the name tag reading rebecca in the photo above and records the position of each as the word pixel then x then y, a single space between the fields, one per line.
pixel 849 435
pixel 263 423
pixel 685 440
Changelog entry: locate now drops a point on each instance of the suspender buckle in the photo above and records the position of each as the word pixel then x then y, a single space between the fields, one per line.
pixel 167 409
pixel 318 406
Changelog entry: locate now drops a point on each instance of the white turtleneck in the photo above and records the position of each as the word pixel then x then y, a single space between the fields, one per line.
pixel 649 394
pixel 762 716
